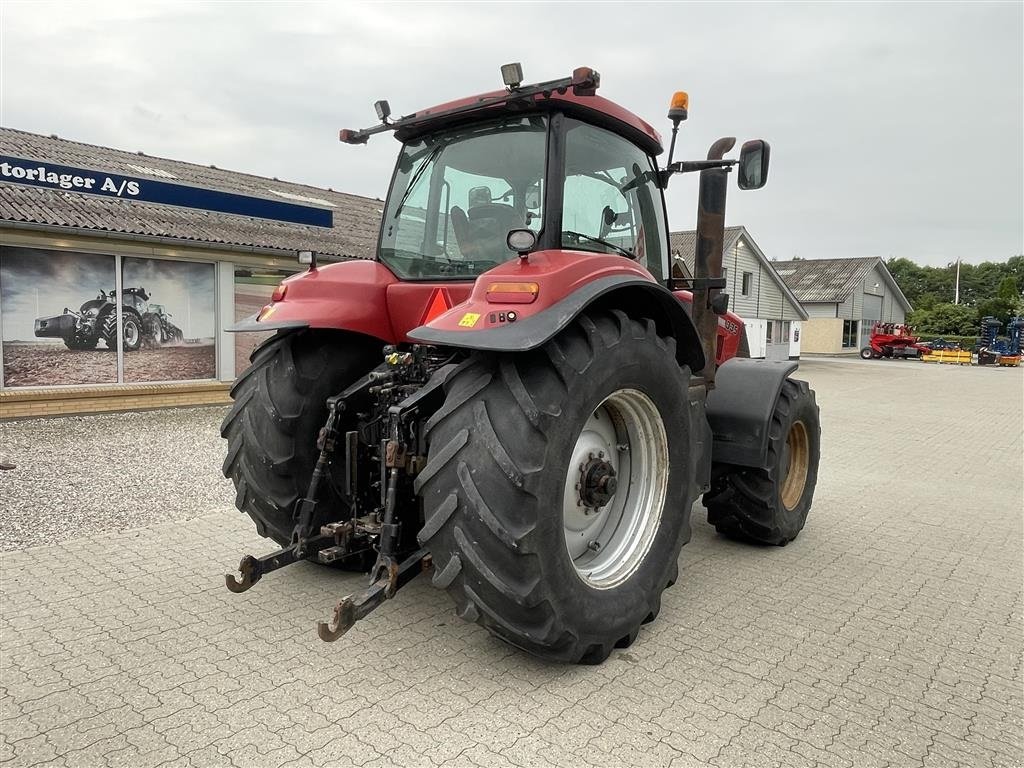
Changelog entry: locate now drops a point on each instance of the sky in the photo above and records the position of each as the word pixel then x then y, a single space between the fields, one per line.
pixel 897 129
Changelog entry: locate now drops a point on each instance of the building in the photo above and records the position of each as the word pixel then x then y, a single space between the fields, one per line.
pixel 844 298
pixel 772 312
pixel 180 250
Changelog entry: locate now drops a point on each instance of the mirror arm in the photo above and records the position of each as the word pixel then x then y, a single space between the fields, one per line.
pixel 689 166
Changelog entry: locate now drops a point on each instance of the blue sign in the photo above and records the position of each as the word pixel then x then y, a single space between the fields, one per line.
pixel 51 176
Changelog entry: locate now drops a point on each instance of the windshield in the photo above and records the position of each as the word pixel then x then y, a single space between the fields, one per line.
pixel 456 195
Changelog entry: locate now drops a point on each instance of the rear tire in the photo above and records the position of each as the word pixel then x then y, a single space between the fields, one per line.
pixel 501 519
pixel 770 506
pixel 280 406
pixel 151 330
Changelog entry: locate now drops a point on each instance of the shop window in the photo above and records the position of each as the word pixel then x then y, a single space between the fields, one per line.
pixel 849 334
pixel 748 283
pixel 60 323
pixel 59 317
pixel 168 320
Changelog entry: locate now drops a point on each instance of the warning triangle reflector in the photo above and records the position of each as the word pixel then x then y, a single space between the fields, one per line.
pixel 438 305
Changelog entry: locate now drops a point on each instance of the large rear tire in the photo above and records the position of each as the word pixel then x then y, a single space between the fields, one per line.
pixel 520 440
pixel 770 506
pixel 280 406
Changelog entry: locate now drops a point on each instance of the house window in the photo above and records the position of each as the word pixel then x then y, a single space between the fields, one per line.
pixel 849 334
pixel 787 330
pixel 748 281
pixel 768 332
pixel 725 275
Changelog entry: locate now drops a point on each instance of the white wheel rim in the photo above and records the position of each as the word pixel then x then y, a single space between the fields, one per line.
pixel 607 543
pixel 131 333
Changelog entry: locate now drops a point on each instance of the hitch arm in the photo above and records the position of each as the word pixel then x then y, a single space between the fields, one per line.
pixel 253 568
pixel 352 608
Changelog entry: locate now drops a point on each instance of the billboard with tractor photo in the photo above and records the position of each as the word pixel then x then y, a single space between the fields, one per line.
pixel 59 315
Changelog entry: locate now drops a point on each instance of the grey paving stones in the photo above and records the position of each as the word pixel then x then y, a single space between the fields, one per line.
pixel 888 634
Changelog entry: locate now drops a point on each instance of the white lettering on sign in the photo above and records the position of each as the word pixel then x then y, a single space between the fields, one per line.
pixel 70 181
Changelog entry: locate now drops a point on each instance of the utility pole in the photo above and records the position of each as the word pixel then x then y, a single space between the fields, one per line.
pixel 956 296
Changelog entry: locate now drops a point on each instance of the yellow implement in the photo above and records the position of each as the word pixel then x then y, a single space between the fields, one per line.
pixel 954 356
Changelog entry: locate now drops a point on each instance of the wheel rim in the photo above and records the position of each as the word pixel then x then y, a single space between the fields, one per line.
pixel 131 334
pixel 798 451
pixel 615 488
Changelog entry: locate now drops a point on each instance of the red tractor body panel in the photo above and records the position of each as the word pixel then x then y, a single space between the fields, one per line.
pixel 555 274
pixel 366 297
pixel 411 305
pixel 350 296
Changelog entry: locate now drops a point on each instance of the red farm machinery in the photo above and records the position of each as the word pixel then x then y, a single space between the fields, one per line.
pixel 516 397
pixel 893 340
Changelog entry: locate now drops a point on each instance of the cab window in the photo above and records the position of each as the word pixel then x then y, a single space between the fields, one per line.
pixel 456 195
pixel 611 202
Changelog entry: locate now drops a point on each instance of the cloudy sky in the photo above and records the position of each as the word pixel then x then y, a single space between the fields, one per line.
pixel 896 129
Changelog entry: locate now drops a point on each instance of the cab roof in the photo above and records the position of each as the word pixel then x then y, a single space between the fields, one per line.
pixel 591 108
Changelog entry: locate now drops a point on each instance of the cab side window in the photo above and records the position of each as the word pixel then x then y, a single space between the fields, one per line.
pixel 611 200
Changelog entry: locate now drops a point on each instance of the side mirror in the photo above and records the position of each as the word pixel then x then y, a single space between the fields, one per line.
pixel 753 168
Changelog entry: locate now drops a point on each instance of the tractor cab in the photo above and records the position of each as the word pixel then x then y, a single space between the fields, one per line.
pixel 459 191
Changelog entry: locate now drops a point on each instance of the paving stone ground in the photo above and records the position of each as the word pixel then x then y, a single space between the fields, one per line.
pixel 889 633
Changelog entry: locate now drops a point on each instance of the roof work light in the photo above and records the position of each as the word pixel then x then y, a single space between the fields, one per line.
pixel 512 74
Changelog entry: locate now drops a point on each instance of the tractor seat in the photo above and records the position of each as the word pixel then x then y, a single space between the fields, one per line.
pixel 482 233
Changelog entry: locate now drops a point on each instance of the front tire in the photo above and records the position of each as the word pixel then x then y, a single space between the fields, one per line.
pixel 514 437
pixel 770 506
pixel 280 406
pixel 866 353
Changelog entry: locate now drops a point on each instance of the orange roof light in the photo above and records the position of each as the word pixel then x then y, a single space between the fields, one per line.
pixel 512 293
pixel 679 106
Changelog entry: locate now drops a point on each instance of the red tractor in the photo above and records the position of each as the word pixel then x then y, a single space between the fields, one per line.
pixel 892 340
pixel 516 396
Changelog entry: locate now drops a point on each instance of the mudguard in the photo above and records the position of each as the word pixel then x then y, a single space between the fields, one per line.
pixel 740 407
pixel 623 291
pixel 349 296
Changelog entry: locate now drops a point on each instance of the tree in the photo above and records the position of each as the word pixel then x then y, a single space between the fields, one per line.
pixel 946 319
pixel 1008 289
pixel 989 288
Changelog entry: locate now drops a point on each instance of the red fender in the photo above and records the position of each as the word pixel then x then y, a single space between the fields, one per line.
pixel 360 296
pixel 555 274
